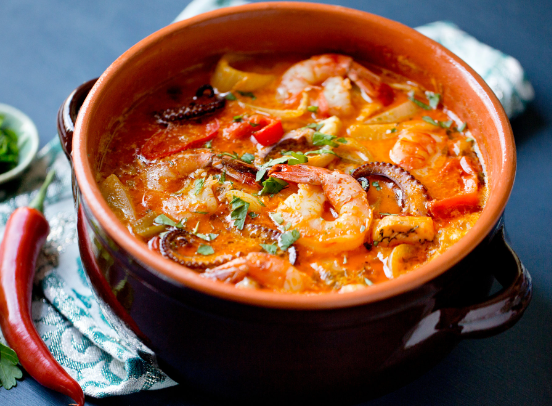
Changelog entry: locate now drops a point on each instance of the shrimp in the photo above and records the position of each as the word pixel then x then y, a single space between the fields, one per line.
pixel 161 174
pixel 304 209
pixel 267 270
pixel 417 149
pixel 334 72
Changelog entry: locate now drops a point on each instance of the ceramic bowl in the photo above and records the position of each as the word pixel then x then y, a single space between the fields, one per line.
pixel 246 344
pixel 27 139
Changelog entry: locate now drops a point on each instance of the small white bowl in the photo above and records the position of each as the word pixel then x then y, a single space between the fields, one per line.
pixel 27 139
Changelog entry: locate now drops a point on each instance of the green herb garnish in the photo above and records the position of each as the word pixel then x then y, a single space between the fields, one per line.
pixel 247 94
pixel 313 109
pixel 230 96
pixel 238 119
pixel 433 98
pixel 272 186
pixel 314 126
pixel 368 282
pixel 208 144
pixel 462 127
pixel 417 102
pixel 204 249
pixel 287 239
pixel 239 212
pixel 253 215
pixel 270 248
pixel 376 185
pixel 319 139
pixel 198 185
pixel 445 124
pixel 9 371
pixel 9 150
pixel 297 158
pixel 277 217
pixel 248 158
pixel 164 221
pixel 429 120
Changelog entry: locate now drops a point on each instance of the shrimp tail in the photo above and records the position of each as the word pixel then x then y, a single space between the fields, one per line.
pixel 303 174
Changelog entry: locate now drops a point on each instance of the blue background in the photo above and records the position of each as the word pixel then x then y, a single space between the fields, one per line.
pixel 49 47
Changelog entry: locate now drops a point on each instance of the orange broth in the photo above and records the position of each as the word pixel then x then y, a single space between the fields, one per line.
pixel 145 189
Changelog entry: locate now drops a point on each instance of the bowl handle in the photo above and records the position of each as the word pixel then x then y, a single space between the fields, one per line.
pixel 67 115
pixel 503 309
pixel 492 316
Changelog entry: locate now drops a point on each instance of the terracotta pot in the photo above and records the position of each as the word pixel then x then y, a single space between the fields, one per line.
pixel 245 344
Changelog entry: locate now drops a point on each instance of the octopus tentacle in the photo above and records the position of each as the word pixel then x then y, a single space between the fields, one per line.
pixel 205 102
pixel 181 238
pixel 414 193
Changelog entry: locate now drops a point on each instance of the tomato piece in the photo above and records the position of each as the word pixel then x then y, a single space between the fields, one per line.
pixel 386 94
pixel 271 130
pixel 238 130
pixel 162 146
pixel 461 203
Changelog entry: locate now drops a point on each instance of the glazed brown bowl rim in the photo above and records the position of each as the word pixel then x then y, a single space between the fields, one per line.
pixel 167 269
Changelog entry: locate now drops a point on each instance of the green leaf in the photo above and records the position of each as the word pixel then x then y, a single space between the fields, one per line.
pixel 204 249
pixel 230 96
pixel 198 185
pixel 319 139
pixel 342 140
pixel 277 217
pixel 321 151
pixel 253 215
pixel 247 94
pixel 417 102
pixel 9 371
pixel 298 158
pixel 222 178
pixel 164 220
pixel 312 109
pixel 264 167
pixel 239 212
pixel 429 120
pixel 376 185
pixel 462 127
pixel 248 158
pixel 270 248
pixel 200 212
pixel 445 124
pixel 272 185
pixel 314 126
pixel 287 239
pixel 208 144
pixel 238 119
pixel 434 99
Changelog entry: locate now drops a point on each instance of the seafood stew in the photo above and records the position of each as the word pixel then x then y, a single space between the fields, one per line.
pixel 311 175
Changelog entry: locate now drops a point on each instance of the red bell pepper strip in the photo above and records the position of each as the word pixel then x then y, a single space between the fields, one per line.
pixel 266 130
pixel 25 233
pixel 159 147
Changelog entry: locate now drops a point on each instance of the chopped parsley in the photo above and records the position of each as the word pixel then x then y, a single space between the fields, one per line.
pixel 320 139
pixel 208 144
pixel 287 239
pixel 445 124
pixel 9 371
pixel 252 124
pixel 264 167
pixel 433 98
pixel 297 158
pixel 272 186
pixel 364 183
pixel 314 126
pixel 247 94
pixel 417 102
pixel 376 185
pixel 248 158
pixel 166 221
pixel 253 215
pixel 232 155
pixel 204 249
pixel 200 212
pixel 238 119
pixel 462 127
pixel 321 151
pixel 198 185
pixel 429 120
pixel 313 109
pixel 277 217
pixel 239 212
pixel 206 237
pixel 230 96
pixel 270 248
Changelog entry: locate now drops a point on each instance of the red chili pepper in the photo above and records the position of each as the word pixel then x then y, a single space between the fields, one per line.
pixel 159 146
pixel 24 236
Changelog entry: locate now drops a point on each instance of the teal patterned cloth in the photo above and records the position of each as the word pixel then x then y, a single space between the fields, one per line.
pixel 79 334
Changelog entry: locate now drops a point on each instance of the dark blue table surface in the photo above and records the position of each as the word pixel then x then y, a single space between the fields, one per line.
pixel 49 47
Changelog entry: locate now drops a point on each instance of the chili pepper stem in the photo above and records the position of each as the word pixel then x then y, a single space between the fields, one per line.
pixel 38 202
